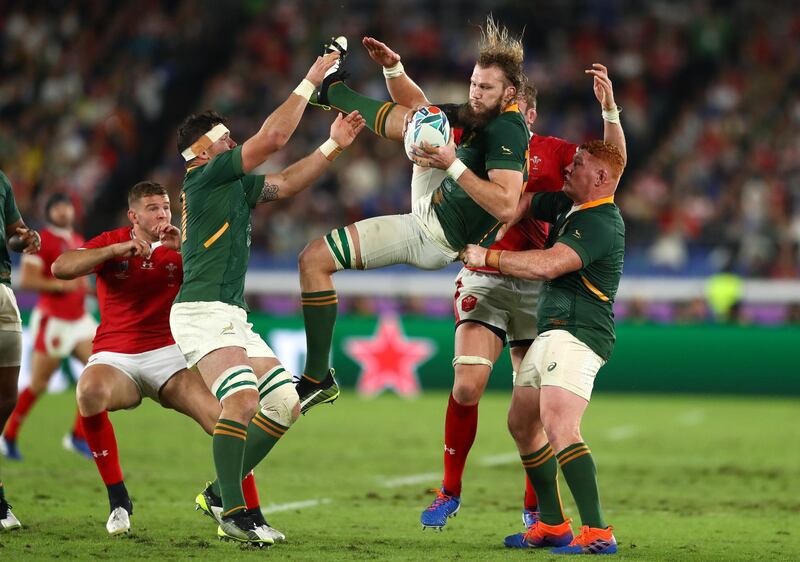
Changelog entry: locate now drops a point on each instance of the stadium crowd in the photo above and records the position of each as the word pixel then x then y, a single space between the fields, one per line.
pixel 92 93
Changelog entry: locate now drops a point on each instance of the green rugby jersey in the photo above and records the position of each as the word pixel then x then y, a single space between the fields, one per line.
pixel 10 215
pixel 215 222
pixel 502 144
pixel 580 302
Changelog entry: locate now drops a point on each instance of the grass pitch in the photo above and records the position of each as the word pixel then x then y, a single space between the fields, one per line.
pixel 682 478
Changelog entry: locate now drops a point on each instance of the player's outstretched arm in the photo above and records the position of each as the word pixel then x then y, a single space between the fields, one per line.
pixel 76 263
pixel 498 195
pixel 304 172
pixel 401 87
pixel 531 264
pixel 604 92
pixel 280 125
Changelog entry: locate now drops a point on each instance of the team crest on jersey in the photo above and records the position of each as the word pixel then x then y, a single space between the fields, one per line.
pixel 468 303
pixel 171 269
pixel 535 161
pixel 122 270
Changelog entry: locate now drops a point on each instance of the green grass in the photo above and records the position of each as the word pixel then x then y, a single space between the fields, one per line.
pixel 682 478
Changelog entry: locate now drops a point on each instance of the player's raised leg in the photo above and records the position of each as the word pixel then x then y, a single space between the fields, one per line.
pixel 103 388
pixel 476 350
pixel 384 118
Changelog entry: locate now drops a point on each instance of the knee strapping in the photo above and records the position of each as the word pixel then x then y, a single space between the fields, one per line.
pixel 340 245
pixel 472 360
pixel 278 396
pixel 233 380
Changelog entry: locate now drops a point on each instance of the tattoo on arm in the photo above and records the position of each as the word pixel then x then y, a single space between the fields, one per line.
pixel 269 192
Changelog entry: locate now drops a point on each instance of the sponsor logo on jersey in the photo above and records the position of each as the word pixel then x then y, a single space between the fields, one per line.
pixel 551 366
pixel 468 303
pixel 147 264
pixel 449 450
pixel 506 150
pixel 577 234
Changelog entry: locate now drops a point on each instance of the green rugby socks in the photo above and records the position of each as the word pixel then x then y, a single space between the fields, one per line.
pixel 542 471
pixel 228 445
pixel 580 473
pixel 319 314
pixel 374 111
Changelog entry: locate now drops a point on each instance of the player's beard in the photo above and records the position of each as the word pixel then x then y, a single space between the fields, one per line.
pixel 474 120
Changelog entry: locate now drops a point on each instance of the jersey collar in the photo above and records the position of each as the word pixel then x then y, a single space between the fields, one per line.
pixel 590 204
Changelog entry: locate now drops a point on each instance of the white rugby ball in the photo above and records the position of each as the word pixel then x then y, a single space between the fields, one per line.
pixel 429 125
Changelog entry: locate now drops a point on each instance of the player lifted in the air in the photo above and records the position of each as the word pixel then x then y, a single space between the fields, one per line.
pixel 461 196
pixel 209 316
pixel 490 307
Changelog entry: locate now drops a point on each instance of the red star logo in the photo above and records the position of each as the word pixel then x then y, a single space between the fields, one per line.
pixel 388 359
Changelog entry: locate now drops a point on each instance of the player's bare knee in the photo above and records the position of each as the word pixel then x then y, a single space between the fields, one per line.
pixel 93 396
pixel 311 259
pixel 467 393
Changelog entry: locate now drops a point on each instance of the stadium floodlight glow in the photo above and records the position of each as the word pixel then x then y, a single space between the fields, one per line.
pixel 201 144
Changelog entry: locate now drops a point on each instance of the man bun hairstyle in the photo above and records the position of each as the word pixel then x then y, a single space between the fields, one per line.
pixel 499 48
pixel 145 189
pixel 197 125
pixel 608 153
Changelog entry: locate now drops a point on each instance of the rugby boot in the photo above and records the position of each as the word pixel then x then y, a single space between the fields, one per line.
pixel 312 393
pixel 590 541
pixel 443 507
pixel 240 527
pixel 540 535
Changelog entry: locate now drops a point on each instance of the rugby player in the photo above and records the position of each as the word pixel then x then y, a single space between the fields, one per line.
pixel 581 265
pixel 139 272
pixel 59 323
pixel 490 307
pixel 459 196
pixel 209 316
pixel 11 224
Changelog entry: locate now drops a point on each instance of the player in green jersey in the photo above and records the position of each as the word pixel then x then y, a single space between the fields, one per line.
pixel 209 317
pixel 581 266
pixel 11 224
pixel 459 196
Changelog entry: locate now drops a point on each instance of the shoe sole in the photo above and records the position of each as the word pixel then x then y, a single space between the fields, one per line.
pixel 119 532
pixel 441 527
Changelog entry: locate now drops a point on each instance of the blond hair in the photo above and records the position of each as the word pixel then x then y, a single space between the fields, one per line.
pixel 608 153
pixel 499 48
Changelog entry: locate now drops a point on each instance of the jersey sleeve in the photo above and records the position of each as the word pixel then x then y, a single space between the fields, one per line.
pixel 224 168
pixel 507 143
pixel 589 235
pixel 564 151
pixel 547 205
pixel 10 210
pixel 99 241
pixel 253 185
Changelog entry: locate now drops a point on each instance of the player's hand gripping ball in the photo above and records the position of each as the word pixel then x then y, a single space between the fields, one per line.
pixel 17 243
pixel 429 125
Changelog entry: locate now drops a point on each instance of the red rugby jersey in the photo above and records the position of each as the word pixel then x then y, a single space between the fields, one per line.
pixel 547 158
pixel 135 295
pixel 68 305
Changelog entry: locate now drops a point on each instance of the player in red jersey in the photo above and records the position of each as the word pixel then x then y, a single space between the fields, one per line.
pixel 490 307
pixel 138 273
pixel 59 324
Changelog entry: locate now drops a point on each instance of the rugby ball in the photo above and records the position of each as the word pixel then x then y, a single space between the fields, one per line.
pixel 429 124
